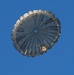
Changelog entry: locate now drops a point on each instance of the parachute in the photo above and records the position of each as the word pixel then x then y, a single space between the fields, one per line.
pixel 36 32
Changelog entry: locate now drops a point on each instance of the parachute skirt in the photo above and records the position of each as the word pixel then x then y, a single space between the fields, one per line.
pixel 35 32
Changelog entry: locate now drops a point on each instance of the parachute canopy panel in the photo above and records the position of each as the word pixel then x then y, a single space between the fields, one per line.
pixel 36 32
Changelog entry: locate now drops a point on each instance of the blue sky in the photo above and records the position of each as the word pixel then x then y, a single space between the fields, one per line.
pixel 57 61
